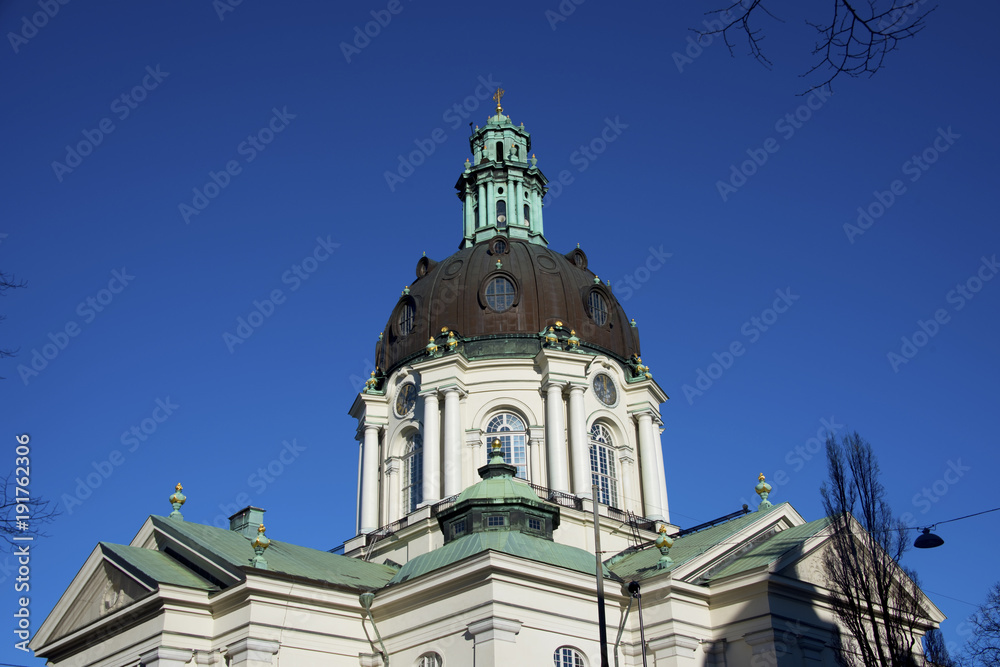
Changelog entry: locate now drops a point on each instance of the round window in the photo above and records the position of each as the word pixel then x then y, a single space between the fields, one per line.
pixel 500 294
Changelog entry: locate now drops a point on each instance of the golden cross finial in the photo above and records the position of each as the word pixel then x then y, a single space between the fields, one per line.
pixel 499 96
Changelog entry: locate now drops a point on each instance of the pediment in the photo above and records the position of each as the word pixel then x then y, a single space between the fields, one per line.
pixel 808 569
pixel 105 591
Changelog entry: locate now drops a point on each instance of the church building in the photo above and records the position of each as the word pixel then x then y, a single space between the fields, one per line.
pixel 509 408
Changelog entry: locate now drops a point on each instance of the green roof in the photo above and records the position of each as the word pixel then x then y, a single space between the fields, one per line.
pixel 233 549
pixel 641 564
pixel 498 489
pixel 509 542
pixel 153 567
pixel 772 549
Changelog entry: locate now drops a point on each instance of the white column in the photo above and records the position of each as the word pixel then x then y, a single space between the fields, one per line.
pixel 626 471
pixel 432 449
pixel 536 436
pixel 555 439
pixel 647 464
pixel 579 444
pixel 452 442
pixel 369 480
pixel 661 471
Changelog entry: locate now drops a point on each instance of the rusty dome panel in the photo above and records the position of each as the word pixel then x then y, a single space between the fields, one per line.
pixel 548 287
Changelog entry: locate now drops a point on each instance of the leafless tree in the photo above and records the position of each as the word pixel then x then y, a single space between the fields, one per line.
pixel 40 511
pixel 878 602
pixel 984 645
pixel 854 40
pixel 935 651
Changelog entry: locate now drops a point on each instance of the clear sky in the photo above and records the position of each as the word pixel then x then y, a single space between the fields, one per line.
pixel 167 166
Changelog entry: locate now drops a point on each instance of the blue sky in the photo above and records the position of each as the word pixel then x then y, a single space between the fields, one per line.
pixel 250 154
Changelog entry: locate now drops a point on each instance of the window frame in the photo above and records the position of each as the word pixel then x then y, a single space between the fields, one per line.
pixel 513 441
pixel 413 460
pixel 601 441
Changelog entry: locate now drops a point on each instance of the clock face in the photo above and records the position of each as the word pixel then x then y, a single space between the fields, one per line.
pixel 604 388
pixel 406 399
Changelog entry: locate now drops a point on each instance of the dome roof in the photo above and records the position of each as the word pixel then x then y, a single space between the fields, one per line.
pixel 497 296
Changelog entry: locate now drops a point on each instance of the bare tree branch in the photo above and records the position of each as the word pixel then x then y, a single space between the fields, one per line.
pixel 40 512
pixel 984 645
pixel 855 40
pixel 8 282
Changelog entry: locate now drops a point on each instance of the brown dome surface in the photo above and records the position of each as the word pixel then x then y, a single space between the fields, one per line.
pixel 451 295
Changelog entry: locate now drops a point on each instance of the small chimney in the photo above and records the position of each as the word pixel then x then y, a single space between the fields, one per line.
pixel 247 521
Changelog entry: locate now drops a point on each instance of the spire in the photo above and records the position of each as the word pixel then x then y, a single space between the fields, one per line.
pixel 500 187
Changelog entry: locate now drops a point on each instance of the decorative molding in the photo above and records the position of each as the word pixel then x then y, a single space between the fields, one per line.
pixel 163 656
pixel 250 649
pixel 500 629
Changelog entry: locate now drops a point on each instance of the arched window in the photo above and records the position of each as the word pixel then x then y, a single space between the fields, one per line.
pixel 475 211
pixel 413 473
pixel 598 307
pixel 602 465
pixel 500 294
pixel 566 656
pixel 527 215
pixel 405 321
pixel 501 213
pixel 429 660
pixel 499 151
pixel 513 438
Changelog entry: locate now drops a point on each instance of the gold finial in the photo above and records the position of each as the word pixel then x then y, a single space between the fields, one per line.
pixel 260 528
pixel 178 487
pixel 497 445
pixel 761 478
pixel 499 96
